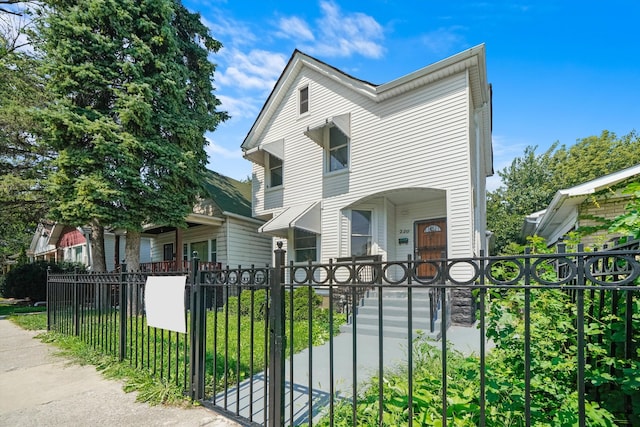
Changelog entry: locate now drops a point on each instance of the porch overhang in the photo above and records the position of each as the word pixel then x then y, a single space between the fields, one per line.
pixel 342 122
pixel 305 217
pixel 257 154
pixel 192 220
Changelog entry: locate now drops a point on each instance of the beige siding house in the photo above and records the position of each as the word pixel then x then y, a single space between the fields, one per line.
pixel 584 208
pixel 220 230
pixel 343 167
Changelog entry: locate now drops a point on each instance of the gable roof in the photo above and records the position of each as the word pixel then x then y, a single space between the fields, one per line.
pixel 565 202
pixel 472 59
pixel 228 194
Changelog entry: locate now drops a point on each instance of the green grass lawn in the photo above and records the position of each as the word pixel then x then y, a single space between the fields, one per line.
pixel 7 307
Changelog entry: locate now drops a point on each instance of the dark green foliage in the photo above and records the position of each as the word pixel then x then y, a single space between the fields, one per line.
pixel 248 300
pixel 30 280
pixel 612 371
pixel 134 97
pixel 531 181
pixel 628 224
pixel 23 160
pixel 258 300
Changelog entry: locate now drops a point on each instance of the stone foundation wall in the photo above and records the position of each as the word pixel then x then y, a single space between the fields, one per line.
pixel 463 307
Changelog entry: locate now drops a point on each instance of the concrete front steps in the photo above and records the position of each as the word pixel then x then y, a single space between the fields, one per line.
pixel 395 314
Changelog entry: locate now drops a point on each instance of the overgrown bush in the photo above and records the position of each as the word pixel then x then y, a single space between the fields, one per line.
pixel 30 280
pixel 258 301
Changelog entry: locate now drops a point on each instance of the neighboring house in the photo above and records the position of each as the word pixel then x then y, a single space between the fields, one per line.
pixel 343 167
pixel 583 207
pixel 58 242
pixel 220 229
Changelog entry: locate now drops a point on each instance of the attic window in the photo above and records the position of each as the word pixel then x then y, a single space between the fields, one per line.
pixel 303 98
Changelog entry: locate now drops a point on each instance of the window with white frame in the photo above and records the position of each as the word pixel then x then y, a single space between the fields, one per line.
pixel 360 233
pixel 201 248
pixel 338 150
pixel 304 243
pixel 275 171
pixel 214 250
pixel 77 254
pixel 303 100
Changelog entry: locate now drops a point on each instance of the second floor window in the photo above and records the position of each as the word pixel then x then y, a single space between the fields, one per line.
pixel 275 171
pixel 338 150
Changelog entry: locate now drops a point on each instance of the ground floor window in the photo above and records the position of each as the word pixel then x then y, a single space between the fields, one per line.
pixel 202 248
pixel 167 252
pixel 305 245
pixel 214 250
pixel 360 233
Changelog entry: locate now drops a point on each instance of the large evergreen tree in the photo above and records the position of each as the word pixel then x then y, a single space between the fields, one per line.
pixel 23 161
pixel 134 99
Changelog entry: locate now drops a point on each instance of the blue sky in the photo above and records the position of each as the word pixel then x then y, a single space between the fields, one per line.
pixel 560 70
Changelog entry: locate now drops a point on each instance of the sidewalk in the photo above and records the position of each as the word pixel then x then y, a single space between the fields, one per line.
pixel 38 388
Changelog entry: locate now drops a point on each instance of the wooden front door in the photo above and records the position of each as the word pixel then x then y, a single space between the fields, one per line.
pixel 430 243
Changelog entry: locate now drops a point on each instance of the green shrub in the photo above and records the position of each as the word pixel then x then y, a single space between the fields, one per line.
pixel 301 296
pixel 30 280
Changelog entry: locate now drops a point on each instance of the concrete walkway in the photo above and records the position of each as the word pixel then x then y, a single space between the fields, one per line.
pixel 38 388
pixel 312 383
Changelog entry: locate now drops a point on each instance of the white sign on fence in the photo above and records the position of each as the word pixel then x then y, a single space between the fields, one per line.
pixel 164 302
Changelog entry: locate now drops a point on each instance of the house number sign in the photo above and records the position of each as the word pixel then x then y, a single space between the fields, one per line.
pixel 404 231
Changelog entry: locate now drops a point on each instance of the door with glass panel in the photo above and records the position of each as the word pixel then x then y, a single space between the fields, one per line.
pixel 430 244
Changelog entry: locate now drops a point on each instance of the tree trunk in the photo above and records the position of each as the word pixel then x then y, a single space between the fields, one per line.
pixel 98 258
pixel 132 260
pixel 99 263
pixel 132 250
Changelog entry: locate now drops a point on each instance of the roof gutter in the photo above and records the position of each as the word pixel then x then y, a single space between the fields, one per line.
pixel 244 218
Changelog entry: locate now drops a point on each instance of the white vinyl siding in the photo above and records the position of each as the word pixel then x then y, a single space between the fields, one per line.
pixel 430 125
pixel 244 246
pixel 237 243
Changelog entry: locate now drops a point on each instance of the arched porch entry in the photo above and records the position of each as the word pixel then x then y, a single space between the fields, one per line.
pixel 395 224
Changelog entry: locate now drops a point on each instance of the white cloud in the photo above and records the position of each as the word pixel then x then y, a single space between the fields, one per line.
pixel 294 28
pixel 345 34
pixel 216 151
pixel 240 108
pixel 504 151
pixel 229 29
pixel 443 40
pixel 256 70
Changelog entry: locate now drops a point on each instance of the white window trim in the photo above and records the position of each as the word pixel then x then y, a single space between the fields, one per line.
pixel 267 169
pixel 327 154
pixel 293 248
pixel 298 99
pixel 372 226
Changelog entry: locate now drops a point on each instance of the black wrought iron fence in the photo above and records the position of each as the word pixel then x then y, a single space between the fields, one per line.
pixel 268 346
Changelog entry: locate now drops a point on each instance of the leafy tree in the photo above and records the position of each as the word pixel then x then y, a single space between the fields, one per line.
pixel 531 181
pixel 628 224
pixel 134 99
pixel 23 161
pixel 525 190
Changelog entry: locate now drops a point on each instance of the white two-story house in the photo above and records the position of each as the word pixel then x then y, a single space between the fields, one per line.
pixel 343 167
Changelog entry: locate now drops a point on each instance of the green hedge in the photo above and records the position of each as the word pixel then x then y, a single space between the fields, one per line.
pixel 30 280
